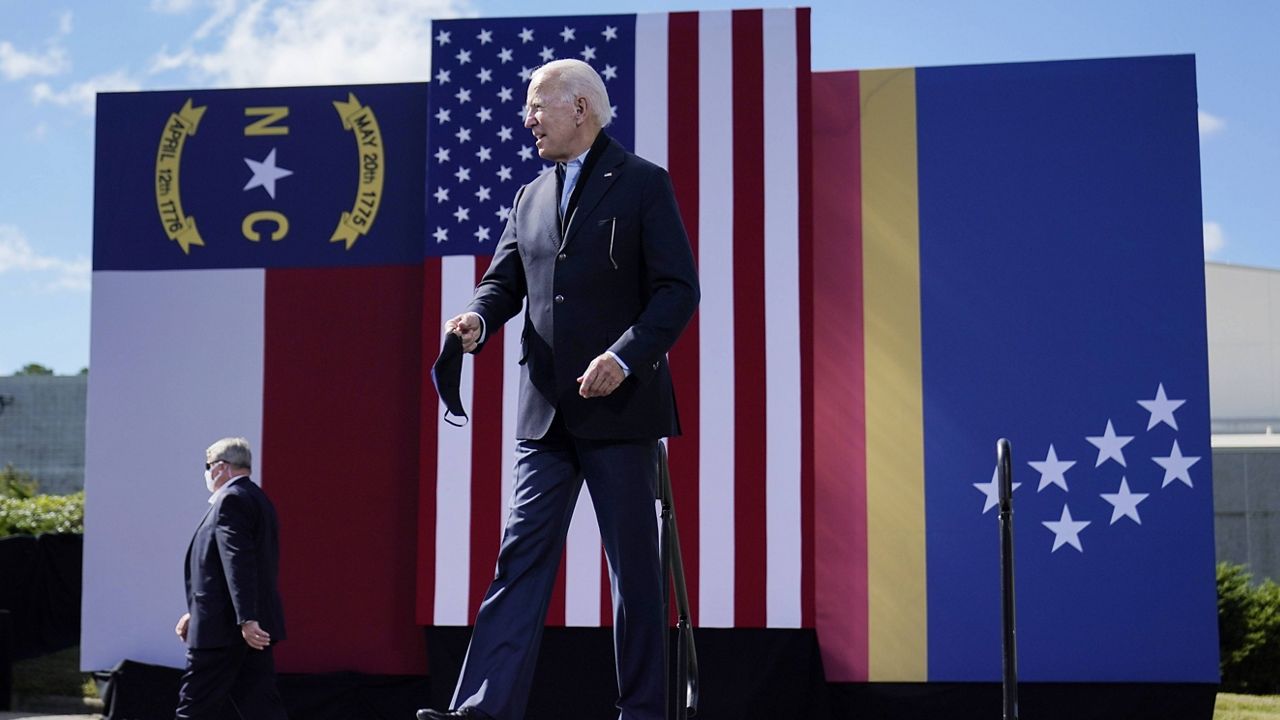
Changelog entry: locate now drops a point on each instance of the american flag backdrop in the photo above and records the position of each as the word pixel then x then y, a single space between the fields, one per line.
pixel 698 93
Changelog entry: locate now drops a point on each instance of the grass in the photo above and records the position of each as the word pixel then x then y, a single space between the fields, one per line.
pixel 1247 707
pixel 57 674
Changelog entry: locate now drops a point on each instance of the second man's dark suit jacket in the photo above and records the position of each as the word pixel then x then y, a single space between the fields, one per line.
pixel 621 278
pixel 232 568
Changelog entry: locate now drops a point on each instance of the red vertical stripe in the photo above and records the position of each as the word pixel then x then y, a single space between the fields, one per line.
pixel 748 320
pixel 804 111
pixel 341 406
pixel 555 609
pixel 839 419
pixel 427 447
pixel 486 460
pixel 606 594
pixel 682 124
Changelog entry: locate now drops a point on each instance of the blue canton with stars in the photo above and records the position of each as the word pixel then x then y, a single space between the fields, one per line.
pixel 478 150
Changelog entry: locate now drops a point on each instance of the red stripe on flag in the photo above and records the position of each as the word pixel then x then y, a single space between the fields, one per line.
pixel 342 370
pixel 750 573
pixel 486 461
pixel 556 608
pixel 804 111
pixel 682 84
pixel 427 428
pixel 606 594
pixel 839 421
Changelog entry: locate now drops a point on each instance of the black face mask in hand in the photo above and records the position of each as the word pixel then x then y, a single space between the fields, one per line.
pixel 447 376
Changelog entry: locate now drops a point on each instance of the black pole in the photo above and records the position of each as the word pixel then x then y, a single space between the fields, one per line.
pixel 1009 664
pixel 673 564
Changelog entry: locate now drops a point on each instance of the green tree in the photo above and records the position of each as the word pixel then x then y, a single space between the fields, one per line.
pixel 34 369
pixel 16 484
pixel 1248 631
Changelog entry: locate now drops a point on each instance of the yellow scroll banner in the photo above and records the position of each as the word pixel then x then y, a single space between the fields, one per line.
pixel 363 124
pixel 180 227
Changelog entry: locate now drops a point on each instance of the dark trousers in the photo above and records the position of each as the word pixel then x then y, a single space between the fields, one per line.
pixel 622 479
pixel 230 682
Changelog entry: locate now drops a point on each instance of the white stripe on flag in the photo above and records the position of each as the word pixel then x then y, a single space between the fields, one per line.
pixel 782 313
pixel 161 392
pixel 453 466
pixel 582 565
pixel 715 341
pixel 651 87
pixel 510 409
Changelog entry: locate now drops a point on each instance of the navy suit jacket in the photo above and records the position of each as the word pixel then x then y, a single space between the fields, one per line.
pixel 232 565
pixel 621 278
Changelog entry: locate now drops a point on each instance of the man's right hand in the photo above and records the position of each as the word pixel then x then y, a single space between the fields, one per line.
pixel 467 327
pixel 181 629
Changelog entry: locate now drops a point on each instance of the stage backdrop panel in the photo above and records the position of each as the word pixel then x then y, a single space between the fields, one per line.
pixel 721 100
pixel 1013 251
pixel 258 272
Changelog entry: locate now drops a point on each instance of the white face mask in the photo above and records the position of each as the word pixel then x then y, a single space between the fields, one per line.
pixel 208 479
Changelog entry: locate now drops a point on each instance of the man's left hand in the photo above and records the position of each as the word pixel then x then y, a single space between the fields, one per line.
pixel 253 634
pixel 602 377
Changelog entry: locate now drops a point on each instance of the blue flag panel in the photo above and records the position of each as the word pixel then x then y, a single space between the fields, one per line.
pixel 1062 306
pixel 279 177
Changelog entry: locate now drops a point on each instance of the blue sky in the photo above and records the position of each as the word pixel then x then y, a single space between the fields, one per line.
pixel 55 55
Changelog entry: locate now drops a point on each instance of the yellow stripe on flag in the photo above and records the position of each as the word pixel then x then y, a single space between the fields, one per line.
pixel 897 622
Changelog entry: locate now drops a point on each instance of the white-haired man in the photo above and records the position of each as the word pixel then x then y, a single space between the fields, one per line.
pixel 234 613
pixel 598 250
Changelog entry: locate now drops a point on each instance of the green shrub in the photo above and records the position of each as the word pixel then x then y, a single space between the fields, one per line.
pixel 42 514
pixel 16 484
pixel 1248 631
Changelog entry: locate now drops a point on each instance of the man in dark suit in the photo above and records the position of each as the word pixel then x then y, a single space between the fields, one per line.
pixel 234 611
pixel 598 250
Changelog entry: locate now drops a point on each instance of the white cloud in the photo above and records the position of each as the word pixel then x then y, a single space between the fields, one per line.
pixel 1214 239
pixel 16 65
pixel 172 6
pixel 263 43
pixel 83 95
pixel 17 255
pixel 1209 124
pixel 64 23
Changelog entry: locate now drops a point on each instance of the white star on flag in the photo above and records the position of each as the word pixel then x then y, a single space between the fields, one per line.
pixel 609 72
pixel 442 77
pixel 485 75
pixel 610 32
pixel 265 174
pixel 484 153
pixel 992 490
pixel 482 194
pixel 547 54
pixel 505 55
pixel 462 213
pixel 463 174
pixel 442 155
pixel 442 195
pixel 484 115
pixel 504 173
pixel 1161 409
pixel 568 33
pixel 1110 446
pixel 442 116
pixel 526 35
pixel 1176 466
pixel 505 94
pixel 443 37
pixel 588 53
pixel 464 57
pixel 482 234
pixel 1124 503
pixel 1052 470
pixel 463 95
pixel 485 37
pixel 1066 531
pixel 441 234
pixel 504 134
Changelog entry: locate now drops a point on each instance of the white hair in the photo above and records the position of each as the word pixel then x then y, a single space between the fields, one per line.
pixel 233 450
pixel 578 79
